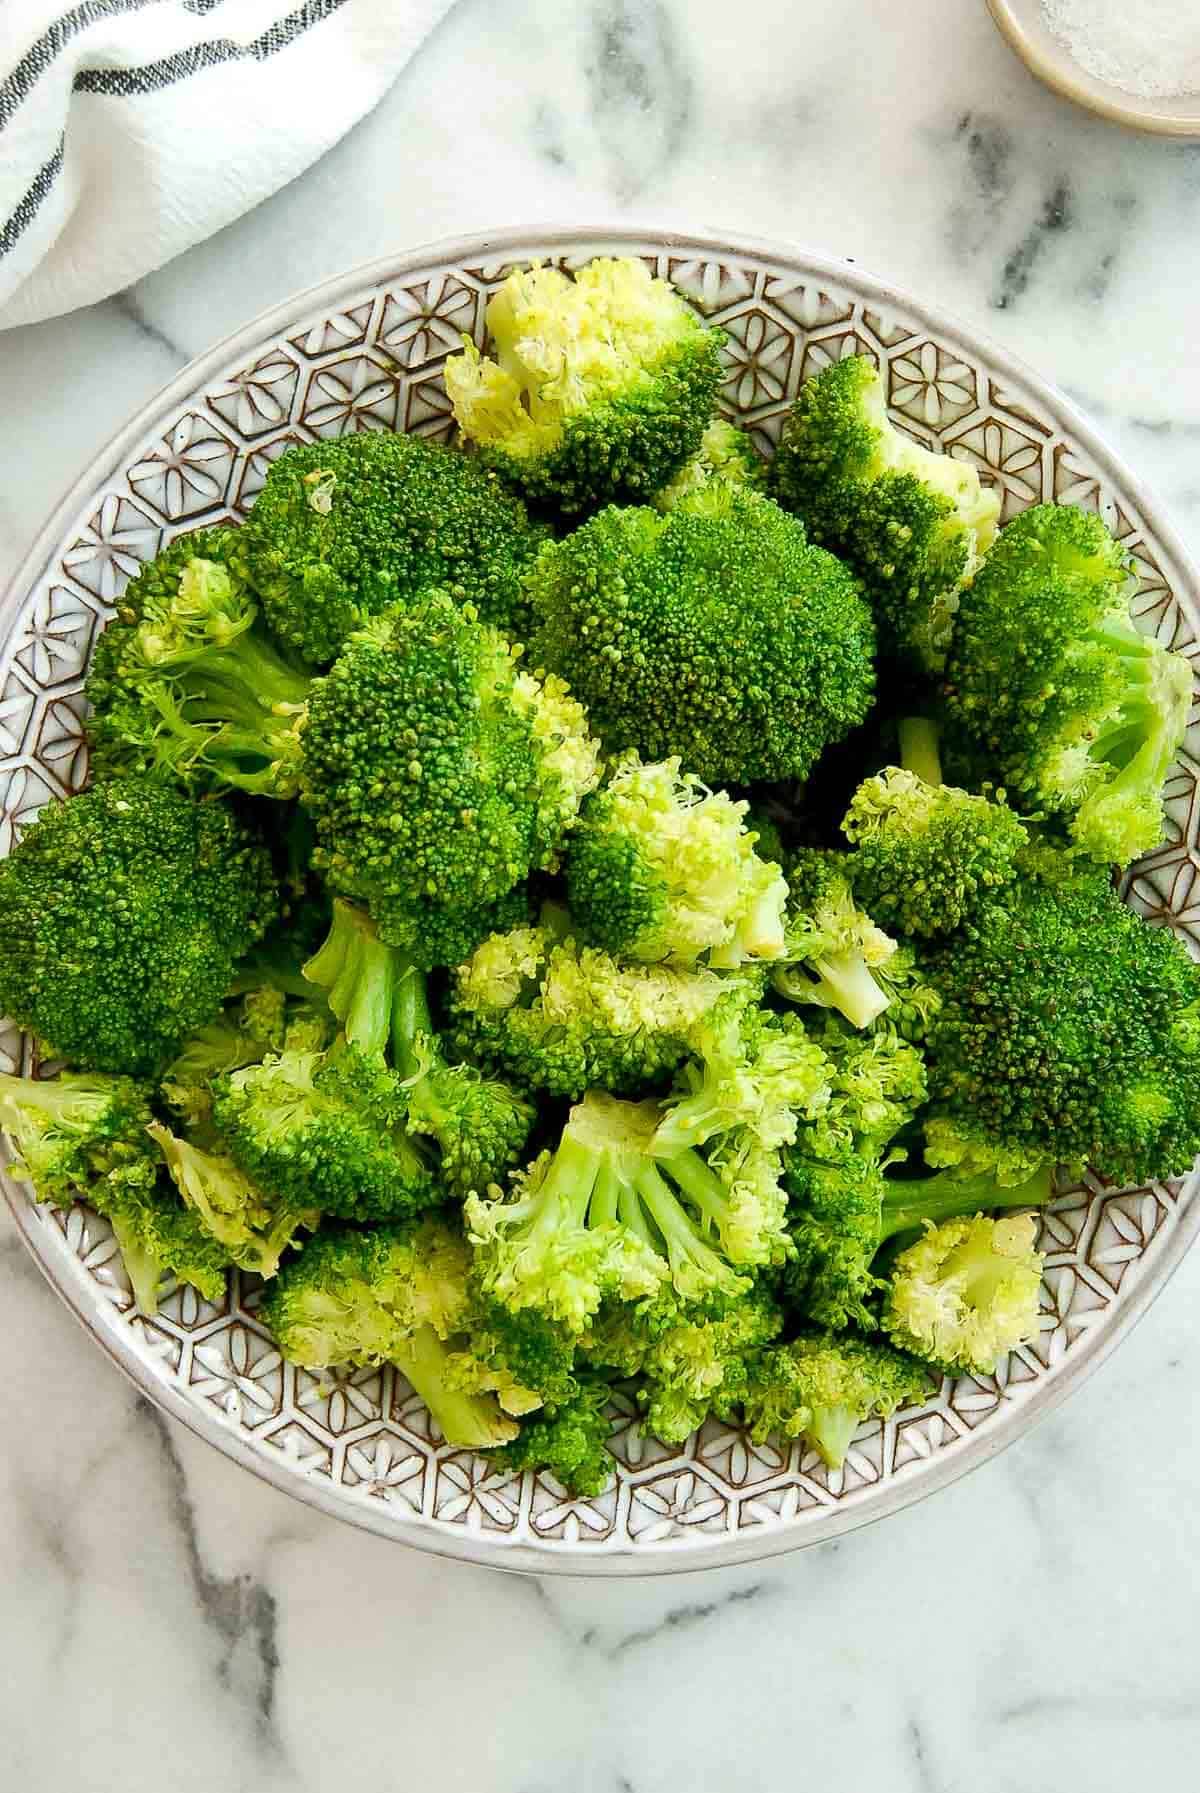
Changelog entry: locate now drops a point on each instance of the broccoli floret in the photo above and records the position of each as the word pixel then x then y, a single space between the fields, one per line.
pixel 726 455
pixel 601 388
pixel 562 1017
pixel 822 1389
pixel 1068 705
pixel 842 1210
pixel 967 1292
pixel 158 1235
pixel 602 1215
pixel 478 1124
pixel 718 634
pixel 663 870
pixel 122 915
pixel 68 1131
pixel 344 529
pixel 568 1441
pixel 397 1294
pixel 926 852
pixel 191 687
pixel 835 948
pixel 326 1130
pixel 1068 1031
pixel 877 1085
pixel 754 1076
pixel 912 1001
pixel 912 523
pixel 253 1230
pixel 437 773
pixel 243 1033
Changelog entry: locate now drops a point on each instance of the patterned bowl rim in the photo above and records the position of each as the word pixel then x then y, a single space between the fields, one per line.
pixel 68 1277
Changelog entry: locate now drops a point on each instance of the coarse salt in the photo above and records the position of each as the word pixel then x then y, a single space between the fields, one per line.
pixel 1150 48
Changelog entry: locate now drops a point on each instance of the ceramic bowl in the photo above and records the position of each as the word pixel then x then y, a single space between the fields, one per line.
pixel 365 352
pixel 1023 23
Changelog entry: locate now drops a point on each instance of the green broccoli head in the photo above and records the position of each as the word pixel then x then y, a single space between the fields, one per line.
pixel 157 1234
pixel 823 1389
pixel 67 1132
pixel 562 1017
pixel 835 950
pixel 967 1292
pixel 396 1294
pixel 568 1440
pixel 122 915
pixel 912 523
pixel 717 634
pixel 925 853
pixel 726 456
pixel 1067 1032
pixel 1058 693
pixel 662 870
pixel 755 1076
pixel 189 686
pixel 326 1130
pixel 344 529
pixel 253 1230
pixel 602 385
pixel 476 769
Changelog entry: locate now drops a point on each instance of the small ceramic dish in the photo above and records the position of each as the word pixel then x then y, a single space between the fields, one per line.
pixel 1023 23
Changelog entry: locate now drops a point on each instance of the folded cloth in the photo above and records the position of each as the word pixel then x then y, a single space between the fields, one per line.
pixel 130 129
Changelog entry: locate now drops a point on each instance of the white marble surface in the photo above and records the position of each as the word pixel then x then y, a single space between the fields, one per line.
pixel 168 1621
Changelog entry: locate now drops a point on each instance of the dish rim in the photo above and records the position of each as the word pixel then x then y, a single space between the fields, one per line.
pixel 68 1277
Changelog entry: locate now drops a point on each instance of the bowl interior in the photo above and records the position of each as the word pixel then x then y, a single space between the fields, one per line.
pixel 365 352
pixel 1023 23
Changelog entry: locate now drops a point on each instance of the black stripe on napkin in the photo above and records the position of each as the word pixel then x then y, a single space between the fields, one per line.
pixel 125 82
pixel 27 209
pixel 53 41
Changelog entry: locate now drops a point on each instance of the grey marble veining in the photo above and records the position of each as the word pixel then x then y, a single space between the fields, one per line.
pixel 169 1621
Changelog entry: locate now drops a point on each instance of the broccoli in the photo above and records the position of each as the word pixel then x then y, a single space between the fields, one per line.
pixel 601 1216
pixel 725 455
pixel 822 1389
pixel 835 948
pixel 967 1292
pixel 562 1017
pixel 912 523
pixel 254 1231
pixel 1069 1030
pixel 877 1085
pixel 662 870
pixel 755 1075
pixel 186 684
pixel 344 529
pixel 1058 693
pixel 925 852
pixel 568 1441
pixel 69 1131
pixel 326 1130
pixel 843 1210
pixel 602 386
pixel 247 1028
pixel 157 1234
pixel 439 775
pixel 122 915
pixel 912 1000
pixel 716 633
pixel 478 1124
pixel 397 1294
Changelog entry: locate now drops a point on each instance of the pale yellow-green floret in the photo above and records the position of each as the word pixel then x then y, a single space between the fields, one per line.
pixel 967 1292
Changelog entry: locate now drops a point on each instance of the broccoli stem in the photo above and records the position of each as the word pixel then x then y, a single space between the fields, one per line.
pixel 412 1024
pixel 908 1205
pixel 831 1430
pixel 686 1250
pixel 144 1270
pixel 468 1421
pixel 920 750
pixel 359 975
pixel 850 987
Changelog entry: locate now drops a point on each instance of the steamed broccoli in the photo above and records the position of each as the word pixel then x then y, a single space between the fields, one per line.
pixel 822 1390
pixel 967 1292
pixel 344 529
pixel 834 947
pixel 1059 695
pixel 122 915
pixel 68 1131
pixel 568 1440
pixel 602 1215
pixel 755 1075
pixel 158 1234
pixel 478 1124
pixel 925 852
pixel 562 1017
pixel 662 870
pixel 185 683
pixel 397 1294
pixel 602 386
pixel 716 633
pixel 912 523
pixel 438 774
pixel 726 455
pixel 253 1231
pixel 1069 1030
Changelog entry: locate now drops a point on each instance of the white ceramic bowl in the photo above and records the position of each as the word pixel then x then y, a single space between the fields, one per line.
pixel 365 352
pixel 1023 23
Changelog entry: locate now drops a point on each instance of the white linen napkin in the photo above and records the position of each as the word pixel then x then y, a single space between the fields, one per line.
pixel 130 129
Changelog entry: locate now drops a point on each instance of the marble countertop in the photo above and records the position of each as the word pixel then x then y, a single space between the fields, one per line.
pixel 170 1621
